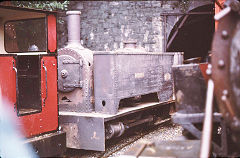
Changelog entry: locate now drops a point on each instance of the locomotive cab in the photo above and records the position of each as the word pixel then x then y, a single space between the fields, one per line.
pixel 28 75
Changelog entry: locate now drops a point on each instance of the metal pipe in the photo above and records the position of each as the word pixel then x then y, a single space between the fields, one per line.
pixel 73 18
pixel 208 118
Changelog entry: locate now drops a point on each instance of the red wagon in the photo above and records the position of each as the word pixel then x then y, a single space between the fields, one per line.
pixel 28 75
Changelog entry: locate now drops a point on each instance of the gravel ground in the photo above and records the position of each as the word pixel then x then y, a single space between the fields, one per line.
pixel 170 132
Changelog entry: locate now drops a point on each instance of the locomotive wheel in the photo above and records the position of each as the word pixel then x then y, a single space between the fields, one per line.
pixel 226 69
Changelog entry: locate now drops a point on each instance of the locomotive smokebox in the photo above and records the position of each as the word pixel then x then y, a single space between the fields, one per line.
pixel 75 70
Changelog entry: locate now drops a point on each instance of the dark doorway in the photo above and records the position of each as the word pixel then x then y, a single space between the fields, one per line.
pixel 29 84
pixel 195 36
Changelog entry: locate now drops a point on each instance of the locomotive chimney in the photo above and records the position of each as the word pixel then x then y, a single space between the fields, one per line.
pixel 73 18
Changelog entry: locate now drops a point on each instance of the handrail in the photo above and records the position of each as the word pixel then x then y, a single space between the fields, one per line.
pixel 45 68
pixel 17 91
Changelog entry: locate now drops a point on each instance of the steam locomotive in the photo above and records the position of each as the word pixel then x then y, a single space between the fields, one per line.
pixel 103 94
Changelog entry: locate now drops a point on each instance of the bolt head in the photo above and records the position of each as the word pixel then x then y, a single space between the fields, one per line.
pixel 224 98
pixel 221 64
pixel 209 66
pixel 225 92
pixel 208 71
pixel 224 34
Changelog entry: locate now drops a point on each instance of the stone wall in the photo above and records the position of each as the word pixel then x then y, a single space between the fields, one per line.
pixel 106 24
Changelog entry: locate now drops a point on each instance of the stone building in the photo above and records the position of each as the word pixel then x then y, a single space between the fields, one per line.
pixel 166 25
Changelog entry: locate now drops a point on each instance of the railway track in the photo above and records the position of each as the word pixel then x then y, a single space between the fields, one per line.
pixel 118 144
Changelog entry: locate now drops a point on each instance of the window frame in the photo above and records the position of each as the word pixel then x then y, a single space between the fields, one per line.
pixel 46 34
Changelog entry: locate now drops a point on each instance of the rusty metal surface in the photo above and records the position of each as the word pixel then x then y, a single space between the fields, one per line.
pixel 87 130
pixel 124 75
pixel 84 132
pixel 75 70
pixel 122 112
pixel 75 79
pixel 48 145
pixel 69 76
pixel 190 88
pixel 164 131
pixel 225 71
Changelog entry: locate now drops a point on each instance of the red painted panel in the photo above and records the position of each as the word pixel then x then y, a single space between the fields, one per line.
pixel 8 79
pixel 8 85
pixel 203 68
pixel 52 33
pixel 47 120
